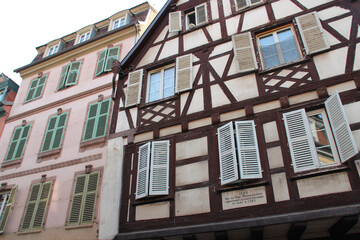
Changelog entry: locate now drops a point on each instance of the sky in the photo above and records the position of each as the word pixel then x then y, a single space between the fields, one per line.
pixel 27 24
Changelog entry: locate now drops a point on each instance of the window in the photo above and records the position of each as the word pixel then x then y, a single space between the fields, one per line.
pixel 36 89
pixel 69 75
pixel 54 132
pixel 196 16
pixel 84 197
pixel 106 58
pixel 97 120
pixel 6 204
pixel 153 169
pixel 53 50
pixel 319 138
pixel 84 37
pixel 36 206
pixel 18 142
pixel 119 23
pixel 161 84
pixel 240 4
pixel 240 161
pixel 278 47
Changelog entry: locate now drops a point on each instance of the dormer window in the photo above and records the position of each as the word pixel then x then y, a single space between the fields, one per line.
pixel 84 37
pixel 119 23
pixel 53 50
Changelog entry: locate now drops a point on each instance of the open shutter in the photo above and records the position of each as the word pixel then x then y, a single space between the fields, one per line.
pixel 134 88
pixel 142 181
pixel 248 151
pixel 13 144
pixel 59 132
pixel 301 142
pixel 159 168
pixel 63 76
pixel 112 55
pixel 201 16
pixel 40 87
pixel 227 156
pixel 7 210
pixel 312 33
pixel 32 89
pixel 22 141
pixel 73 74
pixel 340 127
pixel 102 119
pixel 90 198
pixel 91 121
pixel 49 134
pixel 175 21
pixel 77 200
pixel 43 200
pixel 101 63
pixel 183 73
pixel 244 52
pixel 30 207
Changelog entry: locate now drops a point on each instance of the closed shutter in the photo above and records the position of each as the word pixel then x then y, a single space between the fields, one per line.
pixel 73 74
pixel 91 121
pixel 142 180
pixel 43 199
pixel 18 143
pixel 14 143
pixel 340 127
pixel 30 207
pixel 90 196
pixel 301 143
pixel 101 63
pixel 175 21
pixel 7 210
pixel 49 134
pixel 60 128
pixel 248 151
pixel 77 200
pixel 63 76
pixel 40 87
pixel 244 52
pixel 183 73
pixel 32 89
pixel 22 141
pixel 102 119
pixel 312 33
pixel 134 88
pixel 159 171
pixel 227 156
pixel 201 16
pixel 112 55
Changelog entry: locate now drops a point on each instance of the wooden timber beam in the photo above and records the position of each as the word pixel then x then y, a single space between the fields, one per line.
pixel 296 230
pixel 340 228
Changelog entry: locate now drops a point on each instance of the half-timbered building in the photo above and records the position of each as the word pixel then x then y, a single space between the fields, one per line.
pixel 238 119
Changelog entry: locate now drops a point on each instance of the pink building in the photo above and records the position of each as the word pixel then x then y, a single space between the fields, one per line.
pixel 54 144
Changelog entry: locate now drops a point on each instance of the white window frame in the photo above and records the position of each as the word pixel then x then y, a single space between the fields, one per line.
pixel 4 203
pixel 84 37
pixel 187 23
pixel 161 70
pixel 119 20
pixel 248 4
pixel 278 50
pixel 54 49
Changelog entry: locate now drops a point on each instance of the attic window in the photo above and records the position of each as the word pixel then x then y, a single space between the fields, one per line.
pixel 53 50
pixel 84 37
pixel 119 23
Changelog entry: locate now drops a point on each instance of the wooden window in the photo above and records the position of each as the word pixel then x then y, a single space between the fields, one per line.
pixel 82 210
pixel 55 132
pixel 316 140
pixel 53 50
pixel 240 4
pixel 153 169
pixel 69 75
pixel 119 23
pixel 238 153
pixel 36 206
pixel 6 204
pixel 36 89
pixel 97 120
pixel 18 143
pixel 196 16
pixel 244 52
pixel 161 83
pixel 106 58
pixel 84 37
pixel 278 47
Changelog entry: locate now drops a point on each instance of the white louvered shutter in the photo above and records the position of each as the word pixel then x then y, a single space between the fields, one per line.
pixel 175 21
pixel 227 155
pixel 183 73
pixel 248 151
pixel 301 142
pixel 201 16
pixel 244 52
pixel 340 127
pixel 134 88
pixel 159 168
pixel 142 181
pixel 312 33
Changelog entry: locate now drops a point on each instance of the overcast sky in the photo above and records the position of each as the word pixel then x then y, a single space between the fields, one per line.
pixel 27 24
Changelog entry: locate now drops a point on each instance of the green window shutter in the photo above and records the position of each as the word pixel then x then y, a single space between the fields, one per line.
pixel 91 121
pixel 30 207
pixel 55 131
pixel 101 63
pixel 112 55
pixel 63 76
pixel 18 143
pixel 32 89
pixel 90 197
pixel 73 74
pixel 42 203
pixel 76 203
pixel 97 120
pixel 39 88
pixel 49 134
pixel 102 119
pixel 7 210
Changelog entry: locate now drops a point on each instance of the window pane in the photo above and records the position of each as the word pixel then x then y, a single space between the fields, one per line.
pixel 269 52
pixel 154 86
pixel 288 46
pixel 321 139
pixel 169 81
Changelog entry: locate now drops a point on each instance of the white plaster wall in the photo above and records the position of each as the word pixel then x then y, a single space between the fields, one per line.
pixel 343 26
pixel 243 87
pixel 303 97
pixel 214 9
pixel 199 123
pixel 254 18
pixel 352 112
pixel 219 49
pixel 122 123
pixel 226 7
pixel 152 211
pixel 280 187
pixel 193 148
pixel 266 106
pixel 170 48
pixel 219 64
pixel 193 201
pixel 143 137
pixel 356 135
pixel 232 115
pixel 161 36
pixel 149 56
pixel 331 63
pixel 197 103
pixel 181 2
pixel 341 87
pixel 170 130
pixel 275 157
pixel 194 39
pixel 192 173
pixel 232 24
pixel 332 12
pixel 270 132
pixel 218 98
pixel 214 31
pixel 312 3
pixel 357 55
pixel 284 8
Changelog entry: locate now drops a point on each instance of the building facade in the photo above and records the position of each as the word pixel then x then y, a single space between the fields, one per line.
pixel 8 90
pixel 237 119
pixel 55 140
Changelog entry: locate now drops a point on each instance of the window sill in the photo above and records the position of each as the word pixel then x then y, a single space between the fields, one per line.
pixel 51 153
pixel 145 105
pixel 284 65
pixel 69 227
pixel 242 185
pixel 318 171
pixel 96 141
pixel 10 163
pixel 29 232
pixel 152 199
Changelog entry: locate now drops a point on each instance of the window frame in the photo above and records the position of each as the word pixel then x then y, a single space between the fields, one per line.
pixel 120 20
pixel 35 89
pixel 84 37
pixel 53 49
pixel 6 206
pixel 161 71
pixel 195 12
pixel 248 4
